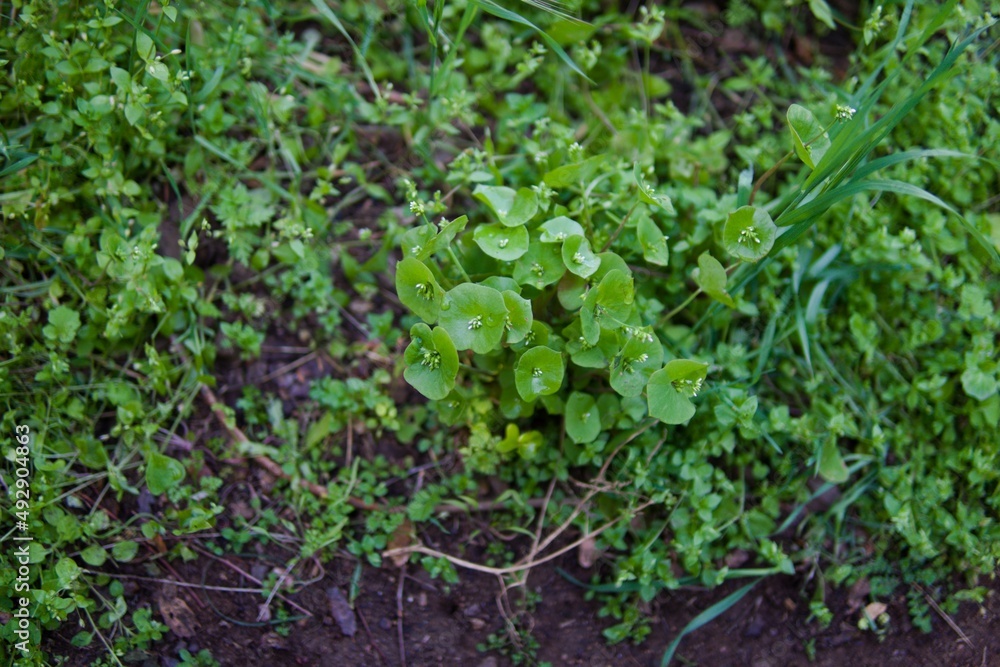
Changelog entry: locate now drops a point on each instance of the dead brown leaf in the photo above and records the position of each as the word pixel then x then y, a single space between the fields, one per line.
pixel 175 612
pixel 401 538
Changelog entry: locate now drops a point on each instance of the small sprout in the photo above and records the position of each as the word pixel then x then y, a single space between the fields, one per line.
pixel 476 322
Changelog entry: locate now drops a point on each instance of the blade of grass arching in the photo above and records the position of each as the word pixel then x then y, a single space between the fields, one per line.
pixel 328 14
pixel 706 617
pixel 22 161
pixel 896 158
pixel 847 150
pixel 493 8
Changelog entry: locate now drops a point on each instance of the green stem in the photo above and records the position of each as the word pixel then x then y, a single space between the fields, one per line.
pixel 454 258
pixel 621 226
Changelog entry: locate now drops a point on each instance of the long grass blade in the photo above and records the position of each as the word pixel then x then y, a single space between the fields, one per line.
pixel 706 617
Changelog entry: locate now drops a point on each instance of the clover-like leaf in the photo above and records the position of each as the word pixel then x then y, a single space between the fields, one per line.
pixel 653 242
pixel 542 265
pixel 503 243
pixel 162 472
pixel 519 316
pixel 63 324
pixel 665 402
pixel 539 372
pixel 711 277
pixel 417 289
pixel 559 229
pixel 474 317
pixel 809 138
pixel 578 257
pixel 641 355
pixel 647 195
pixel 582 418
pixel 431 361
pixel 512 207
pixel 749 233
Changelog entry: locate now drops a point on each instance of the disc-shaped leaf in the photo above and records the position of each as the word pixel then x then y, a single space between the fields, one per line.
pixel 686 370
pixel 423 241
pixel 417 289
pixel 592 356
pixel 474 317
pixel 539 372
pixel 610 261
pixel 653 242
pixel 711 277
pixel 512 208
pixel 518 316
pixel 665 402
pixel 578 257
pixel 582 418
pixel 501 283
pixel 570 291
pixel 810 140
pixel 641 355
pixel 431 361
pixel 749 233
pixel 559 229
pixel 162 472
pixel 503 243
pixel 542 265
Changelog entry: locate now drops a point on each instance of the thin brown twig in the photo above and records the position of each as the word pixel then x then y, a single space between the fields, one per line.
pixel 419 548
pixel 371 639
pixel 947 619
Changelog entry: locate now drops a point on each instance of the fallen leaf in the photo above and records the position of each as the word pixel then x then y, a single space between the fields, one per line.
pixel 401 537
pixel 176 613
pixel 342 612
pixel 875 609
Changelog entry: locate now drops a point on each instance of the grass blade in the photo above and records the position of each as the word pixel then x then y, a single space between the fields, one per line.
pixel 706 617
pixel 493 8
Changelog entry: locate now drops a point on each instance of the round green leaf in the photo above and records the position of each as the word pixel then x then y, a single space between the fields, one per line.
pixel 665 402
pixel 431 361
pixel 474 317
pixel 571 291
pixel 583 419
pixel 831 464
pixel 641 355
pixel 648 195
pixel 578 257
pixel 512 208
pixel 539 372
pixel 162 472
pixel 94 555
pixel 810 140
pixel 417 289
pixel 559 229
pixel 519 316
pixel 124 551
pixel 749 233
pixel 712 278
pixel 653 242
pixel 503 243
pixel 542 265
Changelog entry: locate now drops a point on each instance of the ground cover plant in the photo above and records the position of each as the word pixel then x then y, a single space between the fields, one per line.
pixel 311 280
